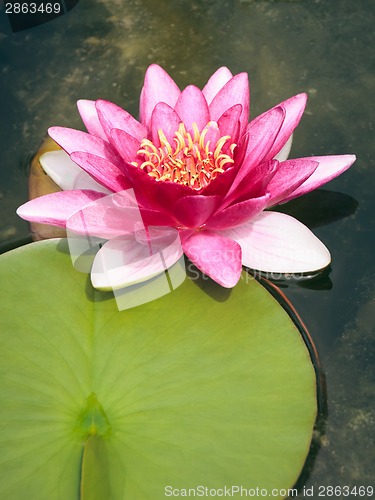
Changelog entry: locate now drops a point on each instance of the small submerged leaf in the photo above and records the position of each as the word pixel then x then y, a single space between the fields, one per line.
pixel 203 386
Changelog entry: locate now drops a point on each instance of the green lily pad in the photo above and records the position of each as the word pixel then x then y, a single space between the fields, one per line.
pixel 203 387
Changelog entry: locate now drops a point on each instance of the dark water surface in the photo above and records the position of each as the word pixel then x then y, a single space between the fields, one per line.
pixel 101 49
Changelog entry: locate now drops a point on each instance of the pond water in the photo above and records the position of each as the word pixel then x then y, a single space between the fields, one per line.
pixel 101 49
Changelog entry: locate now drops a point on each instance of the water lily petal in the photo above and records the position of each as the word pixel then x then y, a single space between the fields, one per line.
pixel 56 208
pixel 150 217
pixel 294 108
pixel 103 221
pixel 156 218
pixel 103 171
pixel 125 144
pixel 229 124
pixel 260 135
pixel 165 118
pixel 85 181
pixel 216 83
pixel 144 185
pixel 283 154
pixel 67 174
pixel 329 168
pixel 237 214
pixel 74 140
pixel 235 91
pixel 112 116
pixel 168 193
pixel 275 242
pixel 221 183
pixel 158 87
pixel 124 261
pixel 114 216
pixel 240 150
pixel 288 177
pixel 193 211
pixel 156 195
pixel 263 133
pixel 89 116
pixel 216 255
pixel 255 182
pixel 192 107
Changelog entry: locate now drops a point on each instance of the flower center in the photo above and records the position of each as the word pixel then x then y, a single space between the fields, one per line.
pixel 190 162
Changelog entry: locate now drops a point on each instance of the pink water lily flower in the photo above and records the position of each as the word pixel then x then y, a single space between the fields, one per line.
pixel 195 164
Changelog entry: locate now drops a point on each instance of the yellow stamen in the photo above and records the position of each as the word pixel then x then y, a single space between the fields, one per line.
pixel 147 164
pixel 189 161
pixel 196 132
pixel 220 143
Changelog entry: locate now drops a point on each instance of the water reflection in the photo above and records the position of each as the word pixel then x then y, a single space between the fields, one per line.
pixel 318 280
pixel 320 207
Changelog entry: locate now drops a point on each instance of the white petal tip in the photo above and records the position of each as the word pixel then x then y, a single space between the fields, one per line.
pixel 277 243
pixel 107 282
pixel 284 152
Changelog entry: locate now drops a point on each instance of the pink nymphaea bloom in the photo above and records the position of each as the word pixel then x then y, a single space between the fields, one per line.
pixel 198 168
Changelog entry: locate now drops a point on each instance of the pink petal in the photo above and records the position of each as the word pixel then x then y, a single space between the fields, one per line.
pixel 240 150
pixel 263 133
pixel 261 136
pixel 221 183
pixel 193 211
pixel 165 118
pixel 216 83
pixel 255 182
pixel 236 91
pixel 89 116
pixel 158 87
pixel 156 218
pixel 67 174
pixel 74 140
pixel 103 171
pixel 112 116
pixel 56 208
pixel 329 168
pixel 126 145
pixel 168 193
pixel 237 214
pixel 104 219
pixel 294 108
pixel 192 107
pixel 215 255
pixel 288 177
pixel 124 261
pixel 156 195
pixel 114 216
pixel 229 123
pixel 144 185
pixel 277 243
